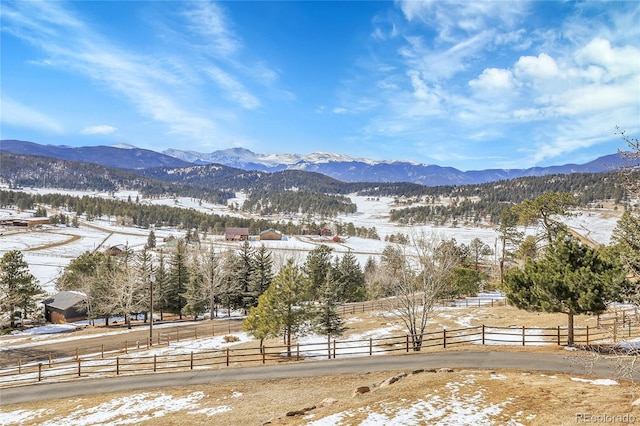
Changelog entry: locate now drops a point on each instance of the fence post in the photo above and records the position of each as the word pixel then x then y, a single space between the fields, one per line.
pixel 615 329
pixel 191 362
pixel 155 362
pixel 598 321
pixel 227 357
pixel 483 334
pixel 407 343
pixel 328 347
pixel 147 343
pixel 587 335
pixel 39 371
pixel 117 365
pixel 444 338
pixel 297 351
pixel 77 353
pixel 264 350
pixel 79 367
pixel 50 360
pixel 370 346
pixel 523 334
pixel 558 335
pixel 334 348
pixel 19 365
pixel 102 351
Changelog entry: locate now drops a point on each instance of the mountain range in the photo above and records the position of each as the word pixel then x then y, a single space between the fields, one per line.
pixel 337 166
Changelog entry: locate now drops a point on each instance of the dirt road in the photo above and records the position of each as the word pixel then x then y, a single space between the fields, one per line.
pixel 112 338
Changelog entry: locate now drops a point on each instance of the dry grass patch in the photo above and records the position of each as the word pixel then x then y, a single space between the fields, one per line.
pixel 460 397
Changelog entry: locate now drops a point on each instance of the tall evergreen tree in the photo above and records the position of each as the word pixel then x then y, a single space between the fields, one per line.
pixel 263 273
pixel 351 279
pixel 245 273
pixel 160 286
pixel 326 320
pixel 543 208
pixel 316 266
pixel 281 310
pixel 571 278
pixel 510 237
pixel 18 286
pixel 178 278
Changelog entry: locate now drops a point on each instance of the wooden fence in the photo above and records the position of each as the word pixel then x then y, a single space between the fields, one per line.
pixel 98 365
pixel 383 304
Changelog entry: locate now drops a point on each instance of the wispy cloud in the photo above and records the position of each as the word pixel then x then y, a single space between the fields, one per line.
pixel 154 84
pixel 16 114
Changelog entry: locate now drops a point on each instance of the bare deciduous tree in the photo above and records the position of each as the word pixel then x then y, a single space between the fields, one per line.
pixel 422 273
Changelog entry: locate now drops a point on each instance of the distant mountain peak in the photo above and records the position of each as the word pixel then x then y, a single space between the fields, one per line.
pixel 124 146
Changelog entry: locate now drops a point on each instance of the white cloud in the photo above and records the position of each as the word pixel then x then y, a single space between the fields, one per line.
pixel 493 79
pixel 101 129
pixel 13 113
pixel 618 62
pixel 542 66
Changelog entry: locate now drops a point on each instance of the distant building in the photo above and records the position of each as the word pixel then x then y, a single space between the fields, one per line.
pixel 236 234
pixel 325 232
pixel 66 306
pixel 24 221
pixel 270 234
pixel 117 250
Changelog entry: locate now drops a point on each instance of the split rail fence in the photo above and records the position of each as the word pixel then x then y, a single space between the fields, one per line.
pixel 98 364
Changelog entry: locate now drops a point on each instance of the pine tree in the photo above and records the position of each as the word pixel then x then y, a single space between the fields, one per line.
pixel 571 278
pixel 178 277
pixel 281 310
pixel 246 271
pixel 151 240
pixel 18 286
pixel 194 296
pixel 326 320
pixel 316 266
pixel 351 278
pixel 263 273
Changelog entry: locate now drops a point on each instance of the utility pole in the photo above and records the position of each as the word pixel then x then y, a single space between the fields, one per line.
pixel 151 312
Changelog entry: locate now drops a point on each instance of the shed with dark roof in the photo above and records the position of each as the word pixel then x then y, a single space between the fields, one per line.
pixel 66 306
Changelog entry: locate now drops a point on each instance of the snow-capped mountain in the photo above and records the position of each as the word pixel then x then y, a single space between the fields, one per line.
pixel 350 169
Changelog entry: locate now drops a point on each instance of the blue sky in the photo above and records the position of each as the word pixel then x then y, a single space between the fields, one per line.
pixel 467 84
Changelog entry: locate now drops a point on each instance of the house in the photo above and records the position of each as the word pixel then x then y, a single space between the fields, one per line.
pixel 270 234
pixel 236 234
pixel 66 306
pixel 117 250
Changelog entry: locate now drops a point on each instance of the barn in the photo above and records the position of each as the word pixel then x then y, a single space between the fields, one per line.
pixel 236 234
pixel 65 306
pixel 270 234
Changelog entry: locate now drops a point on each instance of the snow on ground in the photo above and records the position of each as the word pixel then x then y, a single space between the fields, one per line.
pixel 601 382
pixel 47 260
pixel 596 224
pixel 456 408
pixel 131 409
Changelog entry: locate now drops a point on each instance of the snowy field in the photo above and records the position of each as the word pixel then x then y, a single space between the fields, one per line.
pixel 49 250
